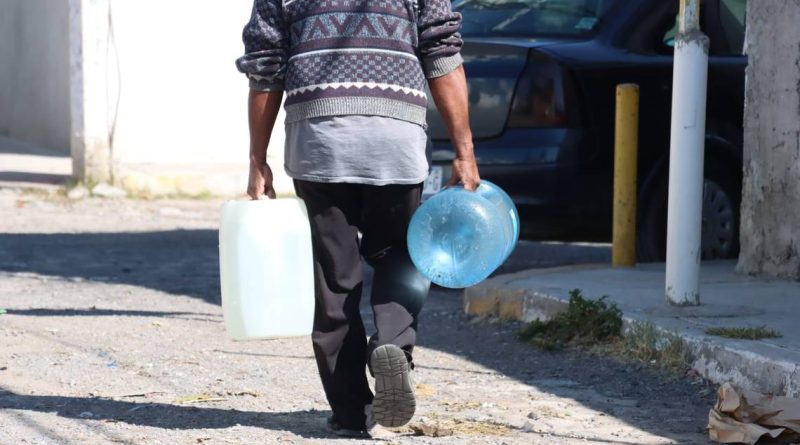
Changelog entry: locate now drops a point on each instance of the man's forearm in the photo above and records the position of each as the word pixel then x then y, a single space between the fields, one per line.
pixel 450 95
pixel 263 110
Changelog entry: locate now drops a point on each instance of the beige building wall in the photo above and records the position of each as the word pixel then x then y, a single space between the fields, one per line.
pixel 34 72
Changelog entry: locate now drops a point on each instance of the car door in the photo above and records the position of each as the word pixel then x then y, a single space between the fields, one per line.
pixel 725 26
pixel 630 54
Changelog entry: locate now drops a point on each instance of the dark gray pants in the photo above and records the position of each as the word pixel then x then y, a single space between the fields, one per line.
pixel 337 212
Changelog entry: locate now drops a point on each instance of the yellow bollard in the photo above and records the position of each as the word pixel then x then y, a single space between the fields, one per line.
pixel 626 142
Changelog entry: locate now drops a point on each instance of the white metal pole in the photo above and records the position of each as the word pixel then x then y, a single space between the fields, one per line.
pixel 687 143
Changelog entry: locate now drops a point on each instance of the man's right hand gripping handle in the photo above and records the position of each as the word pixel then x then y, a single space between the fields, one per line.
pixel 450 95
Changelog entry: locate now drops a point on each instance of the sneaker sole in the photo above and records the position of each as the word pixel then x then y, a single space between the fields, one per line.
pixel 394 402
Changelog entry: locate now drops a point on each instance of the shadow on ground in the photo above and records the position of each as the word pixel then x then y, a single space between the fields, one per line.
pixel 186 263
pixel 93 312
pixel 40 178
pixel 181 262
pixel 664 405
pixel 538 255
pixel 19 147
pixel 167 416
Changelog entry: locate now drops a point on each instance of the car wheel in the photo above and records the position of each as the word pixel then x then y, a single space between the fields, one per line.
pixel 651 230
pixel 722 194
pixel 720 219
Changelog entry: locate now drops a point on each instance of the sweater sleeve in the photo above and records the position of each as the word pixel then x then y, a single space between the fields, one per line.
pixel 265 44
pixel 439 40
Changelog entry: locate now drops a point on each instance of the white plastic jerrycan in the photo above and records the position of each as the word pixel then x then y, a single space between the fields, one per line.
pixel 266 269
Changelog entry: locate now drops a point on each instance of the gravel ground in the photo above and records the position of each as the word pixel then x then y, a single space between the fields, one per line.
pixel 113 334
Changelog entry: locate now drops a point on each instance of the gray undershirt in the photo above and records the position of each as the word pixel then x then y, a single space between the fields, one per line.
pixel 372 150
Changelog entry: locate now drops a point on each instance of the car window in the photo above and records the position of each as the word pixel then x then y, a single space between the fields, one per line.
pixel 732 19
pixel 530 18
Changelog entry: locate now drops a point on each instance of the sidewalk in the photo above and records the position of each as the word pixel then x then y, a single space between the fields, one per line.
pixel 27 166
pixel 728 300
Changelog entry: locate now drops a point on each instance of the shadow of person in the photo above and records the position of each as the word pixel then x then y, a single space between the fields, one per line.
pixel 305 423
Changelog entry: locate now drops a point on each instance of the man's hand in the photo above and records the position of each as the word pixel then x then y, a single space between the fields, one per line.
pixel 465 171
pixel 450 94
pixel 260 182
pixel 262 109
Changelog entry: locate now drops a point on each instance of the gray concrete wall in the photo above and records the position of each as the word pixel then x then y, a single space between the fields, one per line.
pixel 770 227
pixel 34 72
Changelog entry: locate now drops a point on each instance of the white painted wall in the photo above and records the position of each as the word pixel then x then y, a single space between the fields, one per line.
pixel 34 72
pixel 161 78
pixel 181 99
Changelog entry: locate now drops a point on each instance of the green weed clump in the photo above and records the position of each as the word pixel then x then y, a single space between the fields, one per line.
pixel 584 323
pixel 645 343
pixel 596 326
pixel 745 333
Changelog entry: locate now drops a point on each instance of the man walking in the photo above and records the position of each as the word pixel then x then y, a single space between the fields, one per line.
pixel 354 73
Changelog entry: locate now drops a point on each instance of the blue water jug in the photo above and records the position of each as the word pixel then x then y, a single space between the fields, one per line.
pixel 506 206
pixel 457 238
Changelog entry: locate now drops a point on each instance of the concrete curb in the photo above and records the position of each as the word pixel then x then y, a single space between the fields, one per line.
pixel 718 360
pixel 500 297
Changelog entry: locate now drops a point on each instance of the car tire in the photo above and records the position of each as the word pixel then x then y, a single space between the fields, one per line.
pixel 722 196
pixel 651 231
pixel 720 226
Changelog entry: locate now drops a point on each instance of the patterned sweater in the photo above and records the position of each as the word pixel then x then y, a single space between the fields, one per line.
pixel 350 57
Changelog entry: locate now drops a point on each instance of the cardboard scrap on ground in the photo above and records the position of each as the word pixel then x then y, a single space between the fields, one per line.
pixel 742 416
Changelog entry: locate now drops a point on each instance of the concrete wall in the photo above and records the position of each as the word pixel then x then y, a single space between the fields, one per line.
pixel 770 227
pixel 34 72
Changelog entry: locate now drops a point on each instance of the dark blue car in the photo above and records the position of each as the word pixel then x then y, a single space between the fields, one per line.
pixel 542 76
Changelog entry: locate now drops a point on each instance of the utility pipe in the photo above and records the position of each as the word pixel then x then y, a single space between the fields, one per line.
pixel 687 144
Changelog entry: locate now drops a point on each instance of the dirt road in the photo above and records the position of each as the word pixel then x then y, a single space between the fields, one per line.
pixel 113 334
